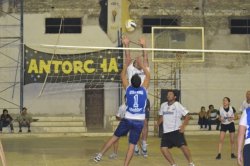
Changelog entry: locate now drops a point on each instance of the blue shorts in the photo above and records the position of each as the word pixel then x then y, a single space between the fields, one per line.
pixel 246 154
pixel 134 127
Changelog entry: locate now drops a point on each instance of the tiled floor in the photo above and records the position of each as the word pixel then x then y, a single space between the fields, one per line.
pixel 78 151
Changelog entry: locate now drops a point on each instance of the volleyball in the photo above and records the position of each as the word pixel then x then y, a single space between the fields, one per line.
pixel 130 25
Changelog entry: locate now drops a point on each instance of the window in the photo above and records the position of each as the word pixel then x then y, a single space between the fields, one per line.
pixel 240 25
pixel 147 23
pixel 69 25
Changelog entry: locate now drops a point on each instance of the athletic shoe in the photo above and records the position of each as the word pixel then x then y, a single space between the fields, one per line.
pixel 191 164
pixel 218 157
pixel 144 153
pixel 137 152
pixel 98 157
pixel 113 156
pixel 233 156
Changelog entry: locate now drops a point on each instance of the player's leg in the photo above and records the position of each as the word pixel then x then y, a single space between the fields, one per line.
pixel 129 155
pixel 166 143
pixel 105 147
pixel 180 141
pixel 144 137
pixel 122 129
pixel 115 146
pixel 221 141
pixel 232 140
pixel 187 154
pixel 2 155
pixel 168 156
pixel 145 130
pixel 134 136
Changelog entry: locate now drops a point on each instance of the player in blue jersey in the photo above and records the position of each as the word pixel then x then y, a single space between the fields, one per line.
pixel 136 97
pixel 244 135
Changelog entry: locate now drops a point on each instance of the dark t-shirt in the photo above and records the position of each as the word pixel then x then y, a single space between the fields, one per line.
pixel 6 118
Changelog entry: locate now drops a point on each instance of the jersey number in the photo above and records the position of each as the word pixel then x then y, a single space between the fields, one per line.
pixel 135 105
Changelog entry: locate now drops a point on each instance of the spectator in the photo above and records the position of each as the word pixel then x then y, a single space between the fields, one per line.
pixel 202 117
pixel 24 120
pixel 213 117
pixel 6 120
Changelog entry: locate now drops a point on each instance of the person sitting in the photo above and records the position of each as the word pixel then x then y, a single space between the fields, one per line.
pixel 24 120
pixel 202 117
pixel 213 117
pixel 6 120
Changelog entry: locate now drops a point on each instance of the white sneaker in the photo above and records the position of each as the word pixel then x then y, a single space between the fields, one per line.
pixel 98 157
pixel 113 156
pixel 191 164
pixel 144 150
pixel 136 150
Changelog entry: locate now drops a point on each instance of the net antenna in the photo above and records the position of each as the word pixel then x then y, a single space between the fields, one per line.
pixel 54 52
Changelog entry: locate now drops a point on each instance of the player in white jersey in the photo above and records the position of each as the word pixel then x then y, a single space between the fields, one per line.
pixel 246 103
pixel 171 113
pixel 227 117
pixel 119 116
pixel 132 69
pixel 244 133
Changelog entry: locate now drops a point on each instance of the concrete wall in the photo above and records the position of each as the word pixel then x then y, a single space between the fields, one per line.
pixel 201 84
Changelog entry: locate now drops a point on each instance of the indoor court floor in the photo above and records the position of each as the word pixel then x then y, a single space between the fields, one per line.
pixel 79 151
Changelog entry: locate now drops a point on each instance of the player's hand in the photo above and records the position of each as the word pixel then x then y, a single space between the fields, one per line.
pixel 182 129
pixel 231 119
pixel 142 42
pixel 125 41
pixel 240 160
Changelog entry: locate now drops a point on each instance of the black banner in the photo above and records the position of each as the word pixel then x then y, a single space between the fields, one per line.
pixel 95 67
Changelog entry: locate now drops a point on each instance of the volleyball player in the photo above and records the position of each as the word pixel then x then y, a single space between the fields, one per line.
pixel 246 103
pixel 171 113
pixel 227 117
pixel 244 134
pixel 136 97
pixel 132 69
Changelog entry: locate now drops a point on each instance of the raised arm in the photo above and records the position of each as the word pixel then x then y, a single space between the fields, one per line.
pixel 145 70
pixel 124 79
pixel 125 42
pixel 142 42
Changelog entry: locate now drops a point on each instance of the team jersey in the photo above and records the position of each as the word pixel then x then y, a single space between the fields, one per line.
pixel 121 111
pixel 244 105
pixel 226 115
pixel 131 70
pixel 172 115
pixel 136 103
pixel 245 121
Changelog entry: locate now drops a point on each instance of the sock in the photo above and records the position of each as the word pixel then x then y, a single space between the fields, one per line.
pixel 136 148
